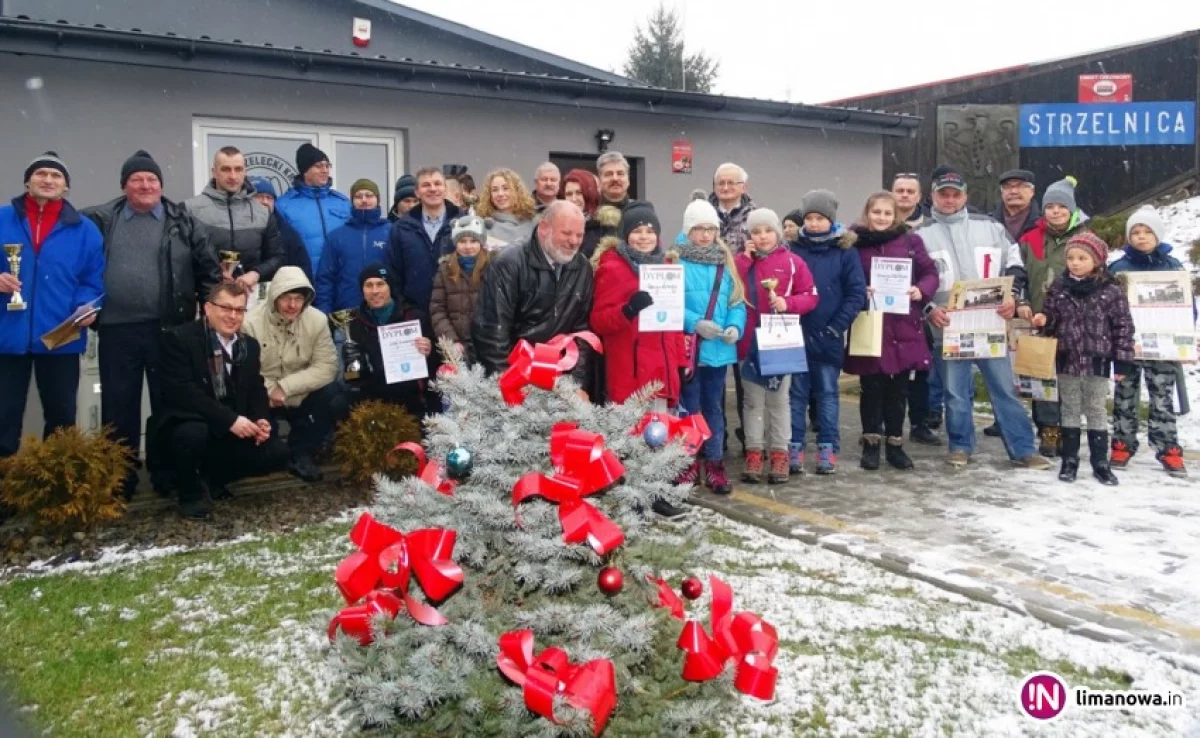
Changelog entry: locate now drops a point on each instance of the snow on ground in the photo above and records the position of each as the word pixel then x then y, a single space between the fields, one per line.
pixel 1183 227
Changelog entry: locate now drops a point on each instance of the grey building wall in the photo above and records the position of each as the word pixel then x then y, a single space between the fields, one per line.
pixel 312 24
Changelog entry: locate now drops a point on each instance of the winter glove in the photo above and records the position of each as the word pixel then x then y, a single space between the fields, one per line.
pixel 730 335
pixel 707 329
pixel 638 302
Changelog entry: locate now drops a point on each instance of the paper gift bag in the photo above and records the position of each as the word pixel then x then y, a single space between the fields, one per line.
pixel 866 334
pixel 780 347
pixel 1035 357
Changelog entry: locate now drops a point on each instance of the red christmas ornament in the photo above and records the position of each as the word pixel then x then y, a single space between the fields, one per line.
pixel 446 370
pixel 610 581
pixel 692 588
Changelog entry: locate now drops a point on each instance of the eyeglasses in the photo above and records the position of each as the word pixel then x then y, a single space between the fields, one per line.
pixel 1014 186
pixel 729 182
pixel 228 309
pixel 707 229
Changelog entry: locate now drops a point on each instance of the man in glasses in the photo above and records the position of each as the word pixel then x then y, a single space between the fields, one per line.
pixel 1019 212
pixel 312 206
pixel 216 422
pixel 733 205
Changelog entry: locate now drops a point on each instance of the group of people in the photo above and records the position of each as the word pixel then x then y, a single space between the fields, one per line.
pixel 178 287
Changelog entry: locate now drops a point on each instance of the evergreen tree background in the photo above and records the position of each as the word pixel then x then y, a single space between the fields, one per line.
pixel 439 681
pixel 656 56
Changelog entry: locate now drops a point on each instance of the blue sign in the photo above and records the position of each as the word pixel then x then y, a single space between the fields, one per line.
pixel 1051 125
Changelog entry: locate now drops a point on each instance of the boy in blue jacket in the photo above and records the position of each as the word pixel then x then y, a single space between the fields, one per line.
pixel 59 268
pixel 1145 252
pixel 824 245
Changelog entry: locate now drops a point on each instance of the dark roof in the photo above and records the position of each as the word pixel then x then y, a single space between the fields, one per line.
pixel 61 39
pixel 573 68
pixel 990 78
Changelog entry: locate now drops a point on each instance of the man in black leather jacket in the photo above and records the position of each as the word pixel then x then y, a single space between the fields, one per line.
pixel 535 291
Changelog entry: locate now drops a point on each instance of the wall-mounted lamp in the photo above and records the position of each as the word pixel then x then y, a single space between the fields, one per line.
pixel 604 137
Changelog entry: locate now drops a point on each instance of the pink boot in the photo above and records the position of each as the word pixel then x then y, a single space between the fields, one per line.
pixel 690 475
pixel 718 481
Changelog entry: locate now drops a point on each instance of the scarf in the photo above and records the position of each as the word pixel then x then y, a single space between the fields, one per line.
pixel 1081 287
pixel 868 238
pixel 711 254
pixel 380 315
pixel 1015 223
pixel 467 264
pixel 636 258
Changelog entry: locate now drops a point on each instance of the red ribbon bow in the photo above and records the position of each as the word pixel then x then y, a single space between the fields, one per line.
pixel 543 364
pixel 380 571
pixel 582 467
pixel 591 687
pixel 745 637
pixel 693 429
pixel 431 474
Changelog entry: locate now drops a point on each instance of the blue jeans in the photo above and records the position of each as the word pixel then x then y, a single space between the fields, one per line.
pixel 705 394
pixel 937 390
pixel 959 380
pixel 821 381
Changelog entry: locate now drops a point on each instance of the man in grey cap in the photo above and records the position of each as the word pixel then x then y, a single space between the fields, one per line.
pixel 1020 211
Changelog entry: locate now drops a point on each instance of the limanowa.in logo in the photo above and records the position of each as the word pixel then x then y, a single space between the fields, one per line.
pixel 1045 696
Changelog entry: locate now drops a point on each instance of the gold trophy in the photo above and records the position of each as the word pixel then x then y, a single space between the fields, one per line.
pixel 769 284
pixel 342 318
pixel 229 263
pixel 16 302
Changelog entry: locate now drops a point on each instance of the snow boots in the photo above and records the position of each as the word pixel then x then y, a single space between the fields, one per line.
pixel 795 458
pixel 1070 455
pixel 1172 461
pixel 1098 449
pixel 826 459
pixel 778 473
pixel 754 467
pixel 895 453
pixel 718 480
pixel 870 451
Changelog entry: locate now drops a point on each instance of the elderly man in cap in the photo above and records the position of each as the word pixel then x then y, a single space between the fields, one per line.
pixel 312 206
pixel 967 246
pixel 46 231
pixel 1019 212
pixel 160 268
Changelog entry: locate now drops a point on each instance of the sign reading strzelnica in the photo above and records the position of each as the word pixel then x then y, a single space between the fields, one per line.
pixel 1052 125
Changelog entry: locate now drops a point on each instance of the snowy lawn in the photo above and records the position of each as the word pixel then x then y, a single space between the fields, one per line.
pixel 230 641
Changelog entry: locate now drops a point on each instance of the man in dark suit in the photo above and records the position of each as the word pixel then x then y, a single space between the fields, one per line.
pixel 216 420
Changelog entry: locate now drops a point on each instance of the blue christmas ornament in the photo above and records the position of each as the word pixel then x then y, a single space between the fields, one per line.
pixel 655 434
pixel 459 463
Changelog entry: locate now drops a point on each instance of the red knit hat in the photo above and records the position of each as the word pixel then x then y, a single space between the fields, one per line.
pixel 1093 244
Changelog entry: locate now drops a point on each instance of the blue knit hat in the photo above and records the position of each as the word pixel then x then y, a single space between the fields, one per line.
pixel 263 186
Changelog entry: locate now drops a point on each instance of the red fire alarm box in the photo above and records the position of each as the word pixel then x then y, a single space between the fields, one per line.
pixel 362 32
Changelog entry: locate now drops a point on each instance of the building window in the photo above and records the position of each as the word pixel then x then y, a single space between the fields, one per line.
pixel 568 161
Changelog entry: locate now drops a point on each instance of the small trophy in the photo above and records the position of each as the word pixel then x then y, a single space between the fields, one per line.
pixel 16 302
pixel 342 318
pixel 769 285
pixel 230 263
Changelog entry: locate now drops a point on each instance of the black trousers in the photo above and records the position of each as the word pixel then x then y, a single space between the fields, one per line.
pixel 882 405
pixel 129 352
pixel 313 420
pixel 197 453
pixel 918 399
pixel 57 385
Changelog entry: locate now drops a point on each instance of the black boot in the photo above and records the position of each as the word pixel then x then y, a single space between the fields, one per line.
pixel 1070 454
pixel 1098 449
pixel 922 435
pixel 870 451
pixel 992 431
pixel 895 453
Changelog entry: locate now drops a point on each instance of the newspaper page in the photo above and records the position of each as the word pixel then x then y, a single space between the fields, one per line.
pixel 975 330
pixel 1163 322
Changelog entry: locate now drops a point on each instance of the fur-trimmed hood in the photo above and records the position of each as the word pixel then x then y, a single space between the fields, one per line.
pixel 607 216
pixel 840 235
pixel 608 243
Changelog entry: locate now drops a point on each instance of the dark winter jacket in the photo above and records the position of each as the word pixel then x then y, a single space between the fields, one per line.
pixel 1044 254
pixel 632 359
pixel 362 241
pixel 237 222
pixel 455 300
pixel 187 263
pixel 314 212
pixel 1031 218
pixel 525 297
pixel 414 257
pixel 66 273
pixel 604 223
pixel 187 384
pixel 1092 322
pixel 733 223
pixel 294 253
pixel 372 381
pixel 841 292
pixel 795 287
pixel 904 345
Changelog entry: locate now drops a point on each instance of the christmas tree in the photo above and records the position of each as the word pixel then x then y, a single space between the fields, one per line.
pixel 519 573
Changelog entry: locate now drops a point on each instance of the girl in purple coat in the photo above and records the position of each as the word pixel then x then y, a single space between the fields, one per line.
pixel 884 380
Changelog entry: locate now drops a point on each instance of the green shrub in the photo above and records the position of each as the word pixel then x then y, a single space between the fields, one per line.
pixel 1110 228
pixel 67 482
pixel 365 440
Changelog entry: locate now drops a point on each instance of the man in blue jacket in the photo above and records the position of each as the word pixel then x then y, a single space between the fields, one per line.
pixel 422 237
pixel 312 206
pixel 362 241
pixel 60 269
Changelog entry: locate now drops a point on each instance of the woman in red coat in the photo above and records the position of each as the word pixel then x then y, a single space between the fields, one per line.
pixel 633 358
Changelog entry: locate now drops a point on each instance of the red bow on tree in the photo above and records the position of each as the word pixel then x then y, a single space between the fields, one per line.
pixel 582 467
pixel 431 474
pixel 693 429
pixel 543 364
pixel 380 571
pixel 591 687
pixel 748 639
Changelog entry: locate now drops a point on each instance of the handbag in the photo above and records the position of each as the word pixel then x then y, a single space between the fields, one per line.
pixel 1035 357
pixel 780 347
pixel 866 333
pixel 691 342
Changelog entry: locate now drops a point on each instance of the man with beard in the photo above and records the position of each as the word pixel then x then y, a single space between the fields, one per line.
pixel 536 291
